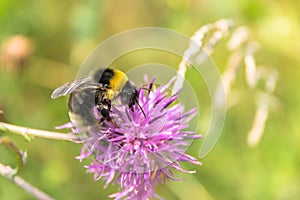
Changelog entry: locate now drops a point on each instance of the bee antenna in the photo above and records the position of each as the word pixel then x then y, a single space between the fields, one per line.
pixel 141 108
pixel 146 89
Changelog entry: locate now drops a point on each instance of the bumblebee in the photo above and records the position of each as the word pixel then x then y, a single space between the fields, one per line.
pixel 97 91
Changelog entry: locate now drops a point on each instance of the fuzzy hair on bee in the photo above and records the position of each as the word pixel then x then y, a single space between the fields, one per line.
pixel 97 90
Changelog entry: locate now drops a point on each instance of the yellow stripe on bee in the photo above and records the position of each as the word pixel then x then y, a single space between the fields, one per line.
pixel 110 94
pixel 118 81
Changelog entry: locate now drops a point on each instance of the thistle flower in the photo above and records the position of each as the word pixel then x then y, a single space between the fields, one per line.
pixel 138 150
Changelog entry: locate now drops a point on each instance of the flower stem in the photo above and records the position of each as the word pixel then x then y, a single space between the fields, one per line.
pixel 27 132
pixel 7 172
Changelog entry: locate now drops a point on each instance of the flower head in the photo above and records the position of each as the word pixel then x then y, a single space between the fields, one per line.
pixel 141 145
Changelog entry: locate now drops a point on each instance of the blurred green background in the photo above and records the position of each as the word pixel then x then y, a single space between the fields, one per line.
pixel 56 36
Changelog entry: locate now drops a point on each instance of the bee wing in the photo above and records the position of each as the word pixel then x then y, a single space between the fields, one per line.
pixel 70 87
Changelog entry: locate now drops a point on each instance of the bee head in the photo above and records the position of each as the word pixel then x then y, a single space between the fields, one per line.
pixel 129 96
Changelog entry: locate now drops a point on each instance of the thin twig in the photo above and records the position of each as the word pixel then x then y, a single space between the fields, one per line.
pixel 250 64
pixel 265 102
pixel 21 155
pixel 7 172
pixel 241 45
pixel 27 132
pixel 197 47
pixel 258 126
pixel 229 75
pixel 220 29
pixel 239 37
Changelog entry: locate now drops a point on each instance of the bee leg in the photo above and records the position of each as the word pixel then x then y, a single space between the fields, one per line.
pixel 105 114
pixel 106 117
pixel 104 108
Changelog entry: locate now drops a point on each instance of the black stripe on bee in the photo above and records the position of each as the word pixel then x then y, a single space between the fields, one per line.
pixel 103 76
